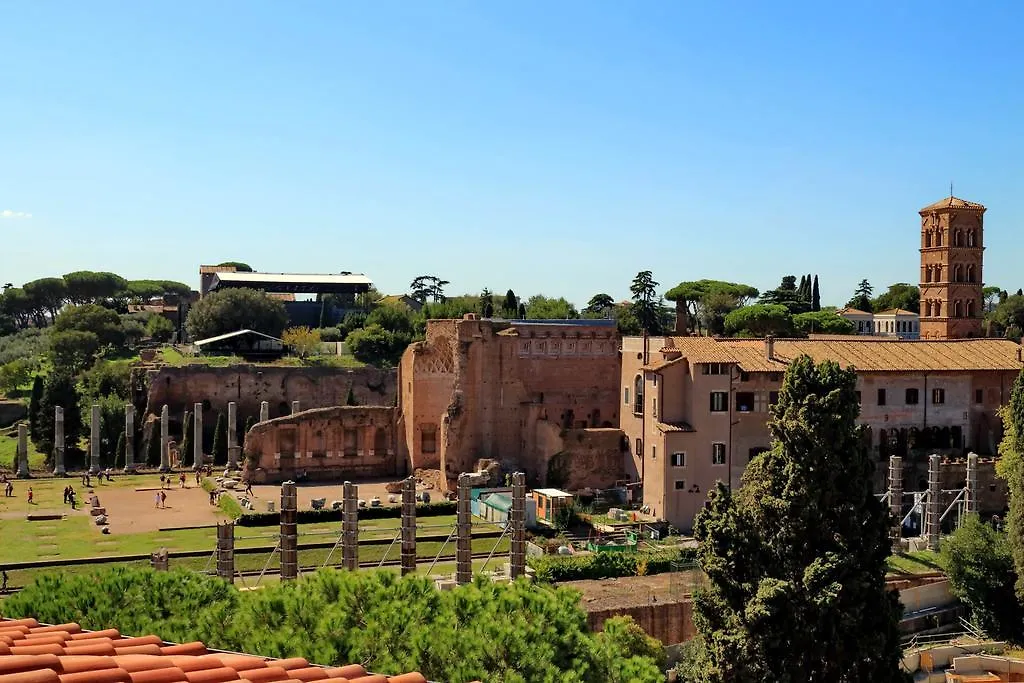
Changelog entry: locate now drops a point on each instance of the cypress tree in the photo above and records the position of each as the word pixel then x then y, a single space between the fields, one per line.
pixel 522 311
pixel 350 400
pixel 185 449
pixel 153 448
pixel 35 424
pixel 220 441
pixel 1011 468
pixel 801 290
pixel 796 558
pixel 815 295
pixel 510 305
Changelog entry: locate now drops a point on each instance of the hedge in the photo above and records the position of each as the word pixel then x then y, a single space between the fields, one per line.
pixel 555 568
pixel 438 509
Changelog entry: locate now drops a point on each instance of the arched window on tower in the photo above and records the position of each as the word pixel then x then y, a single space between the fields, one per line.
pixel 958 238
pixel 970 273
pixel 970 308
pixel 928 238
pixel 927 273
pixel 956 308
pixel 938 238
pixel 972 238
pixel 958 273
pixel 937 309
pixel 926 309
pixel 638 395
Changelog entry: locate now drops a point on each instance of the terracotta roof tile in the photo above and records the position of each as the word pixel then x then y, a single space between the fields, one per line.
pixel 865 354
pixel 952 202
pixel 31 652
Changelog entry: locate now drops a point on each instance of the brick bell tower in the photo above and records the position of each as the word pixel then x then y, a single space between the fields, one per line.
pixel 951 259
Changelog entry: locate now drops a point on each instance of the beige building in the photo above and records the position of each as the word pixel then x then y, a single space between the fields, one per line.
pixel 895 322
pixel 695 409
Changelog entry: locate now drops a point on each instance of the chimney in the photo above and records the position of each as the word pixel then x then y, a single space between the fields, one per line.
pixel 769 347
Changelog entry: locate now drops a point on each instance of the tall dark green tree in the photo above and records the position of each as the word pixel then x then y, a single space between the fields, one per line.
pixel 1011 468
pixel 34 407
pixel 220 441
pixel 815 295
pixel 120 451
pixel 599 304
pixel 645 302
pixel 486 303
pixel 510 305
pixel 802 289
pixel 153 447
pixel 796 558
pixel 60 389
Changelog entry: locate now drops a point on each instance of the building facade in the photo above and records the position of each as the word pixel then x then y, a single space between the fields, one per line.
pixel 894 323
pixel 952 247
pixel 696 411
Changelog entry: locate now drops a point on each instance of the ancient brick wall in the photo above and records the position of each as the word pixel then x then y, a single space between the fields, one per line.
pixel 353 442
pixel 581 458
pixel 668 622
pixel 248 385
pixel 478 389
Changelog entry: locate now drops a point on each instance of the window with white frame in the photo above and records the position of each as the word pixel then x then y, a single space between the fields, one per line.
pixel 715 368
pixel 938 396
pixel 679 459
pixel 719 401
pixel 718 454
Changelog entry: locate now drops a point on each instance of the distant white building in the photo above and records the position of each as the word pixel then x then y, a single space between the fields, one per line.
pixel 894 323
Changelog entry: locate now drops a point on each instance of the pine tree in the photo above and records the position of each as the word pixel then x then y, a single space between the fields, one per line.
pixel 185 450
pixel 796 558
pixel 220 441
pixel 815 295
pixel 34 407
pixel 60 389
pixel 120 451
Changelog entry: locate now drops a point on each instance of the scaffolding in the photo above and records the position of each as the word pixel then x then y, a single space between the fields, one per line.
pixel 289 533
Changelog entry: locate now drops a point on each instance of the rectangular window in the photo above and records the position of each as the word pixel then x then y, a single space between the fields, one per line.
pixel 625 395
pixel 760 402
pixel 773 397
pixel 774 376
pixel 938 396
pixel 680 484
pixel 654 407
pixel 912 397
pixel 979 395
pixel 718 454
pixel 679 460
pixel 719 402
pixel 744 376
pixel 715 368
pixel 881 397
pixel 858 397
pixel 639 448
pixel 654 452
pixel 428 438
pixel 744 401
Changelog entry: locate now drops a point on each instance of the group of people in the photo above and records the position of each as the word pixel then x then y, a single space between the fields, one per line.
pixel 161 496
pixel 70 496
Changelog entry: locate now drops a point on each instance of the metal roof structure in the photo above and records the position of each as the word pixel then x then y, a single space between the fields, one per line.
pixel 229 335
pixel 299 283
pixel 553 493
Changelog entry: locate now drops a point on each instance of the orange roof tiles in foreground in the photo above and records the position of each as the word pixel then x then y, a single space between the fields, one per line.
pixel 34 653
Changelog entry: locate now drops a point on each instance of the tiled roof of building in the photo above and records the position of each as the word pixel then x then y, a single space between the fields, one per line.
pixel 952 202
pixel 674 427
pixel 34 653
pixel 851 311
pixel 865 354
pixel 896 311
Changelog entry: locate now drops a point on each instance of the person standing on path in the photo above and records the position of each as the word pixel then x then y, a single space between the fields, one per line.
pixel 163 499
pixel 30 495
pixel 157 503
pixel 9 490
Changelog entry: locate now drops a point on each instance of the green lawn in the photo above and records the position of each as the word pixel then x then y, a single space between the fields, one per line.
pixel 917 562
pixel 8 447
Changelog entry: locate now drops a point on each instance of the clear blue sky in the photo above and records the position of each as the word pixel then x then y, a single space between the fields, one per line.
pixel 552 147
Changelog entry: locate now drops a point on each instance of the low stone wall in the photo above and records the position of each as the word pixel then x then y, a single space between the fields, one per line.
pixel 354 442
pixel 668 622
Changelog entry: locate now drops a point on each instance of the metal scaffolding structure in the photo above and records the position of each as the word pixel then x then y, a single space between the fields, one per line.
pixel 408 530
pixel 289 533
pixel 896 496
pixel 350 526
pixel 464 533
pixel 517 520
pixel 933 514
pixel 226 551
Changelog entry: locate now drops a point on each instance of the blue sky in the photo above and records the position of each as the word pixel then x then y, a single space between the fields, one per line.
pixel 554 148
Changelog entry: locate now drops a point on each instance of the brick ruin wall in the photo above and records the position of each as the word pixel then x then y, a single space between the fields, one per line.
pixel 478 389
pixel 341 442
pixel 669 622
pixel 247 385
pixel 581 458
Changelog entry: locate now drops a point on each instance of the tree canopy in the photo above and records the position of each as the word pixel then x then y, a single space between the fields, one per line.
pixel 1011 468
pixel 238 266
pixel 796 558
pixel 515 633
pixel 900 295
pixel 540 307
pixel 233 309
pixel 707 302
pixel 760 320
pixel 822 322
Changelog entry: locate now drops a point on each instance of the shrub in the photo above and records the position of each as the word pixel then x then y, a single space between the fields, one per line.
pixel 555 568
pixel 26 344
pixel 160 328
pixel 230 310
pixel 330 334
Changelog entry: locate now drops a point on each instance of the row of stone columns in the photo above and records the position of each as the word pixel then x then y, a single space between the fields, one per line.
pixel 932 527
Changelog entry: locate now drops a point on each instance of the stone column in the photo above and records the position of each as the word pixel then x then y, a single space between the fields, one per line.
pixel 350 526
pixel 517 518
pixel 264 411
pixel 94 440
pixel 464 534
pixel 971 494
pixel 129 438
pixel 289 533
pixel 295 407
pixel 896 497
pixel 233 449
pixel 165 440
pixel 226 551
pixel 408 525
pixel 58 442
pixel 932 506
pixel 197 436
pixel 22 452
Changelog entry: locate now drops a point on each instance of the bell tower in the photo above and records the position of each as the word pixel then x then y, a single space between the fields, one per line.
pixel 951 260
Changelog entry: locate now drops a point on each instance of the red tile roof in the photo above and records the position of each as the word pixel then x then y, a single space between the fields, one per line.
pixel 952 202
pixel 34 653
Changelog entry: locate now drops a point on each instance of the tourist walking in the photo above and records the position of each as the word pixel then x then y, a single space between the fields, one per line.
pixel 30 495
pixel 181 480
pixel 71 497
pixel 163 499
pixel 66 489
pixel 157 503
pixel 9 490
pixel 248 489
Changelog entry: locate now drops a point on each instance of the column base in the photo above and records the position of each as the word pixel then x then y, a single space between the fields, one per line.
pixel 95 469
pixel 60 472
pixel 165 468
pixel 130 469
pixel 22 475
